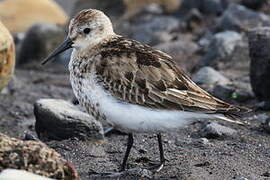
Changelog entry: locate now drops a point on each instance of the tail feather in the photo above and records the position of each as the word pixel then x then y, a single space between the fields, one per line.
pixel 234 114
pixel 224 118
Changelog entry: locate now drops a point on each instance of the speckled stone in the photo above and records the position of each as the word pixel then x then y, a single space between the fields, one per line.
pixel 7 56
pixel 34 156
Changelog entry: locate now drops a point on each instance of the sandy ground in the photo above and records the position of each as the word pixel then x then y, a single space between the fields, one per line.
pixel 245 155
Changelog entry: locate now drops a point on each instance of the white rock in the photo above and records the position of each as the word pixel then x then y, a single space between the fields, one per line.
pixel 15 174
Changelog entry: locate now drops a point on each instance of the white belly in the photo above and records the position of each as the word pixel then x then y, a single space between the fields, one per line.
pixel 130 117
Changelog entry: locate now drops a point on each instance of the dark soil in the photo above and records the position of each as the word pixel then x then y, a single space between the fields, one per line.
pixel 245 155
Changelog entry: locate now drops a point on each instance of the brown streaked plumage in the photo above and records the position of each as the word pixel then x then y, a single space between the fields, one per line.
pixel 152 79
pixel 131 85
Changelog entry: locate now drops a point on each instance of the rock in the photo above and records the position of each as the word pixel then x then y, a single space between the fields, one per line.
pixel 183 52
pixel 58 119
pixel 238 60
pixel 10 174
pixel 215 130
pixel 254 4
pixel 234 92
pixel 40 40
pixel 34 156
pixel 193 21
pixel 266 174
pixel 264 106
pixel 240 18
pixel 259 43
pixel 209 76
pixel 266 124
pixel 215 7
pixel 223 92
pixel 262 118
pixel 240 178
pixel 7 56
pixel 148 27
pixel 162 37
pixel 242 95
pixel 209 7
pixel 200 141
pixel 221 48
pixel 30 12
pixel 204 41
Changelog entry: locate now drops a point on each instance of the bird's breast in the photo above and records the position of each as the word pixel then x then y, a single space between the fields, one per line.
pixel 85 87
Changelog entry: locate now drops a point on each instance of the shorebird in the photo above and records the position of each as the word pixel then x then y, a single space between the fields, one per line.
pixel 134 87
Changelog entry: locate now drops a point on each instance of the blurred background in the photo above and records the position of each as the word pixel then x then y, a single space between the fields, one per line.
pixel 222 44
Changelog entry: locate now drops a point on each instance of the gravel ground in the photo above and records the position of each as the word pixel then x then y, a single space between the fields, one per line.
pixel 245 155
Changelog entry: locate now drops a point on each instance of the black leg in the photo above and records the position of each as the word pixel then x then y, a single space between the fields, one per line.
pixel 160 165
pixel 129 146
pixel 161 152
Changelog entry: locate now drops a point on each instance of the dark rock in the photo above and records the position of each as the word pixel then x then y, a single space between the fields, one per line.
pixel 204 41
pixel 254 4
pixel 209 76
pixel 212 7
pixel 40 40
pixel 266 174
pixel 29 137
pixel 259 43
pixel 264 105
pixel 34 156
pixel 162 37
pixel 200 141
pixel 240 178
pixel 154 25
pixel 194 22
pixel 209 7
pixel 237 91
pixel 58 119
pixel 147 28
pixel 240 18
pixel 191 4
pixel 242 95
pixel 221 48
pixel 266 125
pixel 215 130
pixel 223 92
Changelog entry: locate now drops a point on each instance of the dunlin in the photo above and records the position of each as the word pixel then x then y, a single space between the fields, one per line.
pixel 134 87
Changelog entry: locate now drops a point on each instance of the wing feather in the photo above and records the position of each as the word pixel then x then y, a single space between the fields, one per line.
pixel 144 76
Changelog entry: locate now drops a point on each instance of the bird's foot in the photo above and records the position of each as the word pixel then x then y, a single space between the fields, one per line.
pixel 156 167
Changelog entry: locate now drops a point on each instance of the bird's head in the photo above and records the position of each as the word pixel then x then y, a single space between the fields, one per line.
pixel 87 29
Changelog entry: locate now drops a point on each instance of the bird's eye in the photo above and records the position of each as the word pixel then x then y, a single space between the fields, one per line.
pixel 86 30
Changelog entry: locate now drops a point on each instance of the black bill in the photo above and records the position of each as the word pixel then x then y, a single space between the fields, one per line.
pixel 67 44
